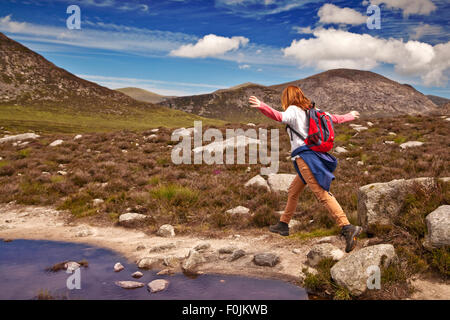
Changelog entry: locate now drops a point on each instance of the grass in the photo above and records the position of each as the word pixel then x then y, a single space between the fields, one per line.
pixel 19 119
pixel 315 234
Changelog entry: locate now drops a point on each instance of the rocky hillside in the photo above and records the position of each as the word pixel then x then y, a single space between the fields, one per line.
pixel 143 95
pixel 439 101
pixel 230 104
pixel 27 78
pixel 339 91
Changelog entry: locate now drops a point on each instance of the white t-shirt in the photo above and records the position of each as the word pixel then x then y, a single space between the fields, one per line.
pixel 295 117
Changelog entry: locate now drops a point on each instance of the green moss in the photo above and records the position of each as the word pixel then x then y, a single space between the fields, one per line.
pixel 175 195
pixel 24 153
pixel 315 234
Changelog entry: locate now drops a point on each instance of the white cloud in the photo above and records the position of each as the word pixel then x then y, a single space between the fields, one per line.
pixel 258 8
pixel 329 13
pixel 12 26
pixel 209 46
pixel 425 30
pixel 167 88
pixel 332 48
pixel 420 7
pixel 303 30
pixel 244 66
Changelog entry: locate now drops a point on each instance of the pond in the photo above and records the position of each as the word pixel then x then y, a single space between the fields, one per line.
pixel 23 275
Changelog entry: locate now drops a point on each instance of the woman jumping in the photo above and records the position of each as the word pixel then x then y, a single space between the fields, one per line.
pixel 314 168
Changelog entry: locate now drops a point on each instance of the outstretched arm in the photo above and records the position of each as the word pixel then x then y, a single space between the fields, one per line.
pixel 345 118
pixel 265 109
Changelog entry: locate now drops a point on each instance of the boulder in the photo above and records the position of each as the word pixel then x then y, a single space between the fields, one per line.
pixel 192 261
pixel 280 182
pixel 172 261
pixel 438 225
pixel 19 137
pixel 166 231
pixel 56 143
pixel 411 144
pixel 380 203
pixel 158 285
pixel 323 251
pixel 129 284
pixel 118 267
pixel 266 259
pixel 149 262
pixel 353 271
pixel 131 219
pixel 257 181
pixel 238 210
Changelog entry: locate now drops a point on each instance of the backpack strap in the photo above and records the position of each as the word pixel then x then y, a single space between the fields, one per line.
pixel 294 131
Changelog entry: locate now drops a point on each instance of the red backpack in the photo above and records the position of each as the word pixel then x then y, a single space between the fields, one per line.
pixel 321 131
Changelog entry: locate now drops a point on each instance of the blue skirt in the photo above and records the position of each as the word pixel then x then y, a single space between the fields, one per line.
pixel 322 165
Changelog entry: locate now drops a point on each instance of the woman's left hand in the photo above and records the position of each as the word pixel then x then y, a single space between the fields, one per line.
pixel 355 114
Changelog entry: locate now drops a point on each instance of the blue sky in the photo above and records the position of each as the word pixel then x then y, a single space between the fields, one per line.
pixel 183 47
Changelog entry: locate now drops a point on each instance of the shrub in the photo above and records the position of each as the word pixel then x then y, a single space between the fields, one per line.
pixel 175 195
pixel 264 216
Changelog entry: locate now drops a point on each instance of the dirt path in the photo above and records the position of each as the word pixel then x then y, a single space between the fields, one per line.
pixel 43 223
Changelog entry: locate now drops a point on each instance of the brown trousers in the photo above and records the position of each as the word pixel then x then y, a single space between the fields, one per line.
pixel 324 197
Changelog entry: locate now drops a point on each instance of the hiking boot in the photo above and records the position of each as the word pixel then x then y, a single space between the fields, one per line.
pixel 280 228
pixel 350 233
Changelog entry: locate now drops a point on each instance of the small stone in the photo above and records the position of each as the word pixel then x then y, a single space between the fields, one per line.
pixel 158 285
pixel 296 251
pixel 72 266
pixel 129 284
pixel 62 173
pixel 238 210
pixel 370 124
pixel 257 181
pixel 118 267
pixel 340 150
pixel 162 247
pixel 359 129
pixel 56 143
pixel 251 124
pixel 411 144
pixel 193 260
pixel 323 251
pixel 236 255
pixel 166 231
pixel 266 259
pixel 154 130
pixel 392 133
pixel 137 275
pixel 202 247
pixel 77 137
pixel 360 163
pixel 140 247
pixel 366 173
pixel 83 231
pixel 97 202
pixel 389 142
pixel 165 272
pixel 227 250
pixel 131 218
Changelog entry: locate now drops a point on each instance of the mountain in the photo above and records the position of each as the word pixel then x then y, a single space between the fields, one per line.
pixel 143 95
pixel 338 91
pixel 27 78
pixel 439 101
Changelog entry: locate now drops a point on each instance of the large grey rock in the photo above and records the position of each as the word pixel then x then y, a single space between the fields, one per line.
pixel 323 251
pixel 192 261
pixel 353 271
pixel 266 259
pixel 158 285
pixel 280 182
pixel 166 231
pixel 257 181
pixel 131 218
pixel 236 255
pixel 19 137
pixel 129 284
pixel 438 224
pixel 379 203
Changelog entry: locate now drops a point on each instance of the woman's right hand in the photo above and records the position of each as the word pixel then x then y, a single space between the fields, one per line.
pixel 254 102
